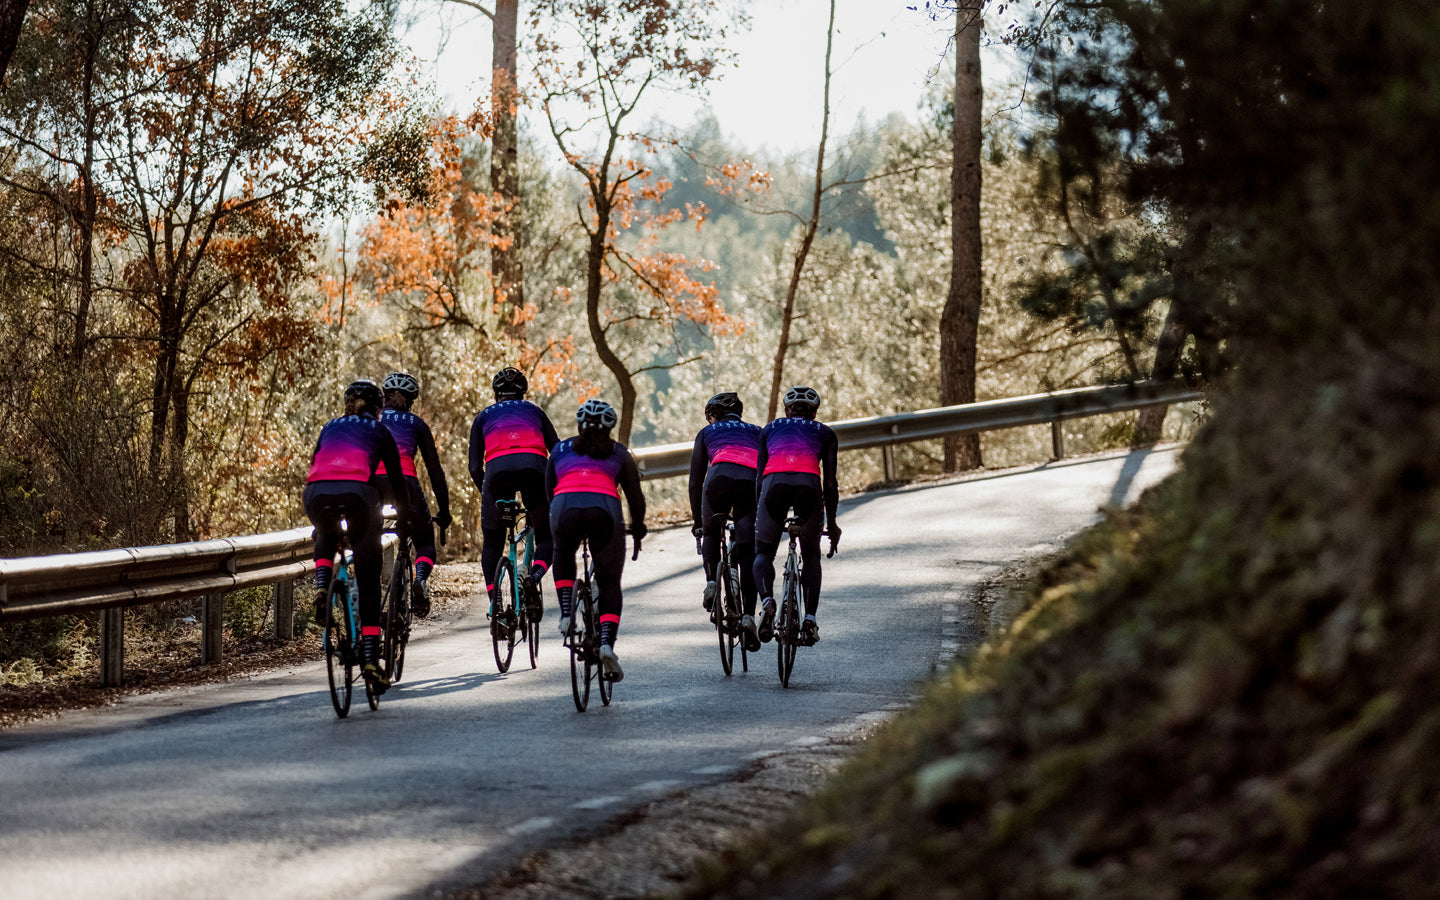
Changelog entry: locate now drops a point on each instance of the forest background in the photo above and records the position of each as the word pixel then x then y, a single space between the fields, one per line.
pixel 218 215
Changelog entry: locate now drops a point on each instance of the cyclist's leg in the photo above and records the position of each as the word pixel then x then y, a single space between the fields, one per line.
pixel 531 483
pixel 422 530
pixel 769 520
pixel 807 507
pixel 327 536
pixel 714 500
pixel 743 556
pixel 498 484
pixel 568 532
pixel 606 530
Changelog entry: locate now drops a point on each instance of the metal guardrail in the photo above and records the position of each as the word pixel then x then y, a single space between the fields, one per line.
pixel 671 460
pixel 111 580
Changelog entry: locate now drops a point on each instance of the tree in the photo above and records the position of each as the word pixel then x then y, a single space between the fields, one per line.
pixel 12 17
pixel 622 52
pixel 960 321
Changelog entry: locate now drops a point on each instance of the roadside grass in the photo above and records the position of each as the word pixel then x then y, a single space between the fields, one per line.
pixel 1215 693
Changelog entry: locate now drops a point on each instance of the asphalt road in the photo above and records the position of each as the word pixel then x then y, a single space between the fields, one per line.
pixel 255 788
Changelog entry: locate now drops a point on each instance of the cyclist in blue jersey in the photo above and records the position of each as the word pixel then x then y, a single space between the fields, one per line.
pixel 797 471
pixel 722 482
pixel 348 454
pixel 510 441
pixel 583 479
pixel 413 435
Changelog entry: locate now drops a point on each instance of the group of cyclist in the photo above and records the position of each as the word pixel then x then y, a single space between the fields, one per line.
pixel 571 493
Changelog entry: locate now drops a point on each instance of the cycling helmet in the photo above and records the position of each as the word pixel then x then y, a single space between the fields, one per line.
pixel 365 390
pixel 596 414
pixel 722 405
pixel 802 398
pixel 510 380
pixel 405 384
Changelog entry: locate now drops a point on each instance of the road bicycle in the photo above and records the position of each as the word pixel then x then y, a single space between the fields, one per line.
pixel 582 637
pixel 788 619
pixel 729 607
pixel 342 629
pixel 515 617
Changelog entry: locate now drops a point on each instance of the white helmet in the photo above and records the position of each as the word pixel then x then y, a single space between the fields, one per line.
pixel 596 414
pixel 801 397
pixel 405 384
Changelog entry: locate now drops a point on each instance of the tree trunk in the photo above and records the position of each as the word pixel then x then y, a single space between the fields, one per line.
pixel 506 268
pixel 960 320
pixel 89 205
pixel 12 18
pixel 1150 423
pixel 594 261
pixel 787 315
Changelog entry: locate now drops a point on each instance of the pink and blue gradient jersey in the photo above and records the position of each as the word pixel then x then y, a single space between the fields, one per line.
pixel 507 427
pixel 353 448
pixel 572 472
pixel 729 440
pixel 413 435
pixel 796 445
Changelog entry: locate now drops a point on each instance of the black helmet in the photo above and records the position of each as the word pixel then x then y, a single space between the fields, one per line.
pixel 405 384
pixel 596 414
pixel 802 399
pixel 510 380
pixel 722 405
pixel 365 390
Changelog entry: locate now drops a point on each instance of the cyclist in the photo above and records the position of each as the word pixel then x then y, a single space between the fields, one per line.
pixel 347 456
pixel 797 471
pixel 722 482
pixel 583 480
pixel 509 443
pixel 412 434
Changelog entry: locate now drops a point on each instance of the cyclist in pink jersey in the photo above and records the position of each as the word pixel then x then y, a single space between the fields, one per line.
pixel 583 479
pixel 348 454
pixel 797 471
pixel 412 435
pixel 722 482
pixel 509 443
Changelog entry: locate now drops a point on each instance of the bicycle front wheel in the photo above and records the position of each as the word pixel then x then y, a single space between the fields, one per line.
pixel 396 616
pixel 339 661
pixel 502 618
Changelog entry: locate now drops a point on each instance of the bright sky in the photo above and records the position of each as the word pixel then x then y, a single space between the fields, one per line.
pixel 883 55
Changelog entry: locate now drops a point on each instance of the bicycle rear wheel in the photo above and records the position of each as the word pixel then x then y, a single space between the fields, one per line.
pixel 578 640
pixel 725 622
pixel 532 635
pixel 339 662
pixel 502 619
pixel 787 631
pixel 396 616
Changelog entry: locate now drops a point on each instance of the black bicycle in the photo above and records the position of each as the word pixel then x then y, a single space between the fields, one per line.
pixel 728 607
pixel 342 627
pixel 788 619
pixel 515 616
pixel 582 637
pixel 397 613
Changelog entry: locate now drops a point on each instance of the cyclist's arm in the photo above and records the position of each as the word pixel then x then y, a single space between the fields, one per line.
pixel 699 463
pixel 438 484
pixel 390 455
pixel 761 458
pixel 634 496
pixel 477 451
pixel 550 478
pixel 547 431
pixel 830 484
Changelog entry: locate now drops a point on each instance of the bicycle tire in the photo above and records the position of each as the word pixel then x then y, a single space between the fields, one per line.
pixel 502 631
pixel 733 576
pixel 532 639
pixel 396 616
pixel 592 619
pixel 787 629
pixel 578 642
pixel 339 667
pixel 724 607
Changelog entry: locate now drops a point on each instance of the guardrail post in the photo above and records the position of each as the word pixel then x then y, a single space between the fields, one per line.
pixel 1057 438
pixel 112 645
pixel 212 615
pixel 284 596
pixel 887 463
